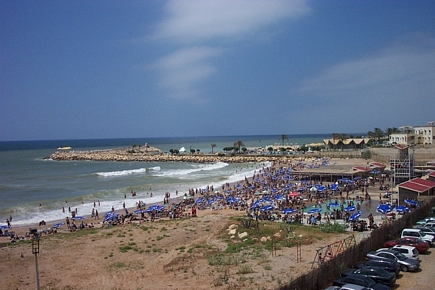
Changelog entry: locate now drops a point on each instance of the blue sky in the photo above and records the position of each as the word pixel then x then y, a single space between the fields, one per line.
pixel 115 69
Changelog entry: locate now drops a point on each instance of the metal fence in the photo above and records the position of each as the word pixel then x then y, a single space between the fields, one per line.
pixel 322 276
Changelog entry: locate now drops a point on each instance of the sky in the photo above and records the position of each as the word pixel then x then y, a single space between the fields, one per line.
pixel 132 69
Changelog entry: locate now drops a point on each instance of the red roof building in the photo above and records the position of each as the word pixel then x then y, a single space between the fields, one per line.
pixel 414 188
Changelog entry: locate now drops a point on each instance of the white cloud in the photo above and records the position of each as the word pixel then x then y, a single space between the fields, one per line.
pixel 194 20
pixel 398 72
pixel 195 25
pixel 184 68
pixel 394 87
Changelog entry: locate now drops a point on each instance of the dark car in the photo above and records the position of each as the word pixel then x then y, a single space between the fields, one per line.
pixel 419 244
pixel 378 274
pixel 406 264
pixel 388 265
pixel 360 280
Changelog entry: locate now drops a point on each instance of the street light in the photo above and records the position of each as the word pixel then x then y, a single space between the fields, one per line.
pixel 35 251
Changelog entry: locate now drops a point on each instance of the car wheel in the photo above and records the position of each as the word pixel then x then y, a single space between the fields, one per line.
pixel 404 268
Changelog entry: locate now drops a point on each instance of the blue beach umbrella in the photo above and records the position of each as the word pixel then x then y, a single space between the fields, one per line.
pixel 402 208
pixel 288 211
pixel 354 216
pixel 350 208
pixel 331 204
pixel 267 207
pixel 383 208
pixel 77 218
pixel 138 211
pixel 411 202
pixel 334 187
pixel 57 225
pixel 110 217
pixel 4 227
pixel 314 210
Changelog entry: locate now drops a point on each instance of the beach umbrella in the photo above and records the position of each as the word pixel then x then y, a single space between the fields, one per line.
pixel 314 210
pixel 301 188
pixel 354 216
pixel 78 218
pixel 334 187
pixel 411 202
pixel 4 227
pixel 288 210
pixel 138 211
pixel 57 225
pixel 333 204
pixel 279 197
pixel 383 208
pixel 267 207
pixel 402 208
pixel 350 208
pixel 294 194
pixel 321 188
pixel 110 217
pixel 199 200
pixel 313 189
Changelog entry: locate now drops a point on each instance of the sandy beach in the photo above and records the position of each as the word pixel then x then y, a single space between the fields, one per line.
pixel 164 254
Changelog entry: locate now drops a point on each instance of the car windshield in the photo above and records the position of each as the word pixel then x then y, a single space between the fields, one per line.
pixel 400 256
pixel 382 272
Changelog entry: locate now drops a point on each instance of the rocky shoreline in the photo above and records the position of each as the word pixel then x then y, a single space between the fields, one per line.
pixel 153 155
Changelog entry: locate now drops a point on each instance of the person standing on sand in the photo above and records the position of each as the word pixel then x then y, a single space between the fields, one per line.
pixel 96 214
pixel 67 222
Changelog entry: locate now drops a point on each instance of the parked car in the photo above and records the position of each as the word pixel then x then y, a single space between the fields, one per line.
pixel 406 264
pixel 348 287
pixel 378 274
pixel 416 233
pixel 425 221
pixel 418 243
pixel 386 264
pixel 427 230
pixel 408 251
pixel 360 280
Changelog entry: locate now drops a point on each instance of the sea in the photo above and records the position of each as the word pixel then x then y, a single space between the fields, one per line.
pixel 33 188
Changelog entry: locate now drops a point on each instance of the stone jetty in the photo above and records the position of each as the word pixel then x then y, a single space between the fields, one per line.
pixel 153 155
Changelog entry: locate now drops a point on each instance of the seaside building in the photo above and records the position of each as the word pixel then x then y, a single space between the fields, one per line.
pixel 415 188
pixel 346 144
pixel 418 135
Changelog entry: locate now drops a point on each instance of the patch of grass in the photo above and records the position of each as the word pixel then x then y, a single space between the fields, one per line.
pixel 158 238
pixel 244 269
pixel 118 265
pixel 181 249
pixel 333 228
pixel 267 267
pixel 125 249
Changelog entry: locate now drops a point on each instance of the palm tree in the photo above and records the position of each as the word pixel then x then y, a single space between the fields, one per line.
pixel 393 130
pixel 212 146
pixel 238 145
pixel 334 136
pixel 283 138
pixel 379 133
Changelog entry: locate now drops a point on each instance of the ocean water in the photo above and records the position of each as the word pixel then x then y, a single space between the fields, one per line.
pixel 34 189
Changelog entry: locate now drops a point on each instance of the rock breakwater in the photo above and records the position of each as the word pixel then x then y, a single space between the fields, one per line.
pixel 126 155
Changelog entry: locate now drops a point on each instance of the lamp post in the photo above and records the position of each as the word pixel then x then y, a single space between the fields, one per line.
pixel 35 251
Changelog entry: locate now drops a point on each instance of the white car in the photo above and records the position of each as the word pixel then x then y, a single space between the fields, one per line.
pixel 416 233
pixel 408 251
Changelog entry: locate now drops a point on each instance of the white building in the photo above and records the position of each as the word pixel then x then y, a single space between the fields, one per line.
pixel 419 135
